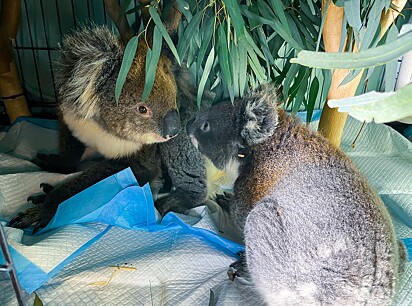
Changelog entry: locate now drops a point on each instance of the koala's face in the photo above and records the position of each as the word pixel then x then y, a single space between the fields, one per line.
pixel 156 119
pixel 89 66
pixel 226 131
pixel 215 134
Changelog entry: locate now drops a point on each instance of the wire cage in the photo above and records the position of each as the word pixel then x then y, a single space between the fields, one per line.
pixel 42 26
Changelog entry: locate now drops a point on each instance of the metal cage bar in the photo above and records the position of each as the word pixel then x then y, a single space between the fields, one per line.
pixel 8 267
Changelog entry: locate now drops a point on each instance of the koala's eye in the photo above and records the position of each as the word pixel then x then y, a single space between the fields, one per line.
pixel 205 127
pixel 142 109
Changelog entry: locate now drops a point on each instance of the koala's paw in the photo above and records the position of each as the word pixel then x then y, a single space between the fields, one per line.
pixel 238 268
pixel 169 203
pixel 225 200
pixel 53 163
pixel 35 216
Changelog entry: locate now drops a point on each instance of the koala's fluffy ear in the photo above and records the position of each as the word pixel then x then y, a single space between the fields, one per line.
pixel 88 59
pixel 259 115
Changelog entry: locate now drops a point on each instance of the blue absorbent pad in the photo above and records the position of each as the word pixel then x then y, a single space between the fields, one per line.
pixel 116 201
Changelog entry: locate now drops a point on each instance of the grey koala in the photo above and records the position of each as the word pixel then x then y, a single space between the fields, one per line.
pixel 126 133
pixel 315 232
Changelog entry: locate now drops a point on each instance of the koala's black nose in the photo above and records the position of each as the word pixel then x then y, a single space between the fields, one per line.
pixel 171 124
pixel 189 126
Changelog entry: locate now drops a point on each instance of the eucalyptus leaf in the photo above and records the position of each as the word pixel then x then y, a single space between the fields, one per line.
pixel 242 70
pixel 277 7
pixel 352 13
pixel 158 22
pixel 391 67
pixel 151 63
pixel 235 13
pixel 224 59
pixel 300 95
pixel 234 57
pixel 290 75
pixel 207 32
pixel 378 107
pixel 127 61
pixel 185 9
pixel 208 66
pixel 313 93
pixel 350 77
pixel 191 28
pixel 356 60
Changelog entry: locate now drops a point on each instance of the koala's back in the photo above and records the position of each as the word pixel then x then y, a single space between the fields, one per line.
pixel 320 235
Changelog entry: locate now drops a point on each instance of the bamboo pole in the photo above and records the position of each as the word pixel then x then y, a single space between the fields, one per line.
pixel 11 91
pixel 332 122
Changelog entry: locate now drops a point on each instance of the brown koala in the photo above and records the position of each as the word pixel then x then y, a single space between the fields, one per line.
pixel 123 132
pixel 315 231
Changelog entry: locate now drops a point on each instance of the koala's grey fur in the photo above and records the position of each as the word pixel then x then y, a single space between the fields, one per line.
pixel 90 117
pixel 315 231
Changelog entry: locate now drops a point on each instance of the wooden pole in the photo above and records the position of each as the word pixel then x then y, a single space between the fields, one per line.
pixel 11 91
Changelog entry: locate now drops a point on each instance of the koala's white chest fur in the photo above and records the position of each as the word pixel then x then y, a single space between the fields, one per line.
pixel 220 181
pixel 93 136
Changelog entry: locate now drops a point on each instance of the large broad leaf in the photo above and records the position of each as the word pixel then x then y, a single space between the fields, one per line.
pixel 127 61
pixel 357 60
pixel 378 106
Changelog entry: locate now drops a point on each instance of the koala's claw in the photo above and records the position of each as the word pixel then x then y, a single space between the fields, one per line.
pixel 40 198
pixel 33 216
pixel 27 218
pixel 238 268
pixel 46 187
pixel 36 199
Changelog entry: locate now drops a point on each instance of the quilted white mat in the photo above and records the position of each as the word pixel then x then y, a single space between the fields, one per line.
pixel 129 267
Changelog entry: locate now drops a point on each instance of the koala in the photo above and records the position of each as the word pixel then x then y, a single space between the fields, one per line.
pixel 126 133
pixel 315 232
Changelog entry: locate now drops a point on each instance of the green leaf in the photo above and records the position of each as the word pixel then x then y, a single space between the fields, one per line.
pixel 151 63
pixel 322 24
pixel 300 95
pixel 191 28
pixel 351 76
pixel 290 75
pixel 379 107
pixel 277 7
pixel 356 60
pixel 125 5
pixel 277 27
pixel 234 57
pixel 184 7
pixel 127 61
pixel 391 67
pixel 163 31
pixel 327 81
pixel 352 13
pixel 339 3
pixel 242 70
pixel 313 93
pixel 235 14
pixel 224 56
pixel 208 66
